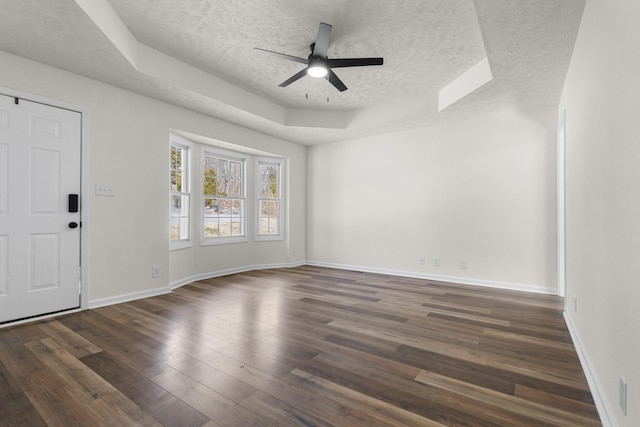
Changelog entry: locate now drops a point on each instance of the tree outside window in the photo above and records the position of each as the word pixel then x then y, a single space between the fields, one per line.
pixel 180 199
pixel 224 200
pixel 269 198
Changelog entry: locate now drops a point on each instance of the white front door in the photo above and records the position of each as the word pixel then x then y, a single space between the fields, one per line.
pixel 39 236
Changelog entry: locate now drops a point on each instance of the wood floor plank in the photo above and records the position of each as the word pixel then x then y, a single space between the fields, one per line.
pixel 217 407
pixel 16 408
pixel 401 393
pixel 571 406
pixel 307 346
pixel 280 413
pixel 68 394
pixel 378 411
pixel 70 341
pixel 159 403
pixel 523 411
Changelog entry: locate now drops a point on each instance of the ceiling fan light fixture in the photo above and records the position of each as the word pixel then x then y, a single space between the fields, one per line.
pixel 317 71
pixel 319 65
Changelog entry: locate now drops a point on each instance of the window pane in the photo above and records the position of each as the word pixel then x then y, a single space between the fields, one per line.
pixel 176 181
pixel 210 187
pixel 179 212
pixel 223 186
pixel 179 218
pixel 179 206
pixel 268 208
pixel 211 227
pixel 176 157
pixel 175 229
pixel 225 227
pixel 234 209
pixel 236 227
pixel 224 206
pixel 210 176
pixel 224 214
pixel 273 186
pixel 235 188
pixel 273 226
pixel 210 206
pixel 268 226
pixel 264 190
pixel 269 214
pixel 269 180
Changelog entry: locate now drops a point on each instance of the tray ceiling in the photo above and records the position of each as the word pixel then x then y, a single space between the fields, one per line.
pixel 199 54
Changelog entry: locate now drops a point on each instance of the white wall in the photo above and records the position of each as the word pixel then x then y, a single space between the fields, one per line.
pixel 602 101
pixel 481 190
pixel 129 149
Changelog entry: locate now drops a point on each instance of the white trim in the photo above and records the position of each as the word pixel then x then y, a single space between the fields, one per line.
pixel 181 142
pixel 180 244
pixel 439 278
pixel 243 159
pixel 280 162
pixel 103 302
pixel 561 208
pixel 84 188
pixel 211 275
pixel 597 391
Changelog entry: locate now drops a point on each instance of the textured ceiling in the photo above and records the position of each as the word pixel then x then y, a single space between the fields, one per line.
pixel 219 37
pixel 426 44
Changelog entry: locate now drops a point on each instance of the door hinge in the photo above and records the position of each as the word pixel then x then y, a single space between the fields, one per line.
pixel 16 100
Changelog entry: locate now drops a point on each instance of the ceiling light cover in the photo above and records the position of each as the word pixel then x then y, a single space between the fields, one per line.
pixel 317 71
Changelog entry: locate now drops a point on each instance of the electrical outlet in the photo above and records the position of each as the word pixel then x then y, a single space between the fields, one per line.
pixel 436 262
pixel 104 190
pixel 421 260
pixel 622 395
pixel 464 264
pixel 155 271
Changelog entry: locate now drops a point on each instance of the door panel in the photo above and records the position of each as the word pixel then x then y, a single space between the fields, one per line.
pixel 4 259
pixel 39 167
pixel 4 178
pixel 45 182
pixel 44 261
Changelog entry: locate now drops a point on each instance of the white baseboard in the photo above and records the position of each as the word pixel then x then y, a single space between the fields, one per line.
pixel 212 274
pixel 600 399
pixel 439 278
pixel 103 302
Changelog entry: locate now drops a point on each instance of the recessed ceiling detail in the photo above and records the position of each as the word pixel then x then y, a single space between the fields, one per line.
pixel 199 55
pixel 472 79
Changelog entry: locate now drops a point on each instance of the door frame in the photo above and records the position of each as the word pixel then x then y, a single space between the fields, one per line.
pixel 84 193
pixel 561 204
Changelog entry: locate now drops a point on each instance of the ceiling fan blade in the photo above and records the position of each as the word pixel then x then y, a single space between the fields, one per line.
pixel 321 45
pixel 284 55
pixel 353 62
pixel 335 80
pixel 293 78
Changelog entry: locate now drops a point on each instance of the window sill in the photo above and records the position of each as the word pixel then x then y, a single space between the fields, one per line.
pixel 223 241
pixel 277 238
pixel 179 245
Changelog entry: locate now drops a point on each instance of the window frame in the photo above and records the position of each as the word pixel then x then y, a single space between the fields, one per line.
pixel 215 152
pixel 280 162
pixel 187 146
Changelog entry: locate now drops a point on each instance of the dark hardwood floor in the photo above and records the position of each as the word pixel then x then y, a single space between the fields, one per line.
pixel 304 346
